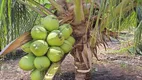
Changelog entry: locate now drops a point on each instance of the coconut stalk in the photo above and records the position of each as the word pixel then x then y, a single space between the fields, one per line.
pixel 78 11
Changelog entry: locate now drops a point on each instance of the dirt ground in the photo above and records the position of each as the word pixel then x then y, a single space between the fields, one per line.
pixel 112 66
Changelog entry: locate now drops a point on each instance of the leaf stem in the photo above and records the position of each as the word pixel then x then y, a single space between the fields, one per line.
pixel 57 6
pixel 41 7
pixel 78 11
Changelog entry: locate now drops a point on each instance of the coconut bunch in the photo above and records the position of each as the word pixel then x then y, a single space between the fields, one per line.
pixel 51 41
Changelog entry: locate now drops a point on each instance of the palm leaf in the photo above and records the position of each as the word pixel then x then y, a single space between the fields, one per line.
pixel 117 14
pixel 138 31
pixel 15 19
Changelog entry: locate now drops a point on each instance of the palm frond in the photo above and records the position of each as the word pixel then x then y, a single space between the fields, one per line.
pixel 138 31
pixel 116 13
pixel 15 19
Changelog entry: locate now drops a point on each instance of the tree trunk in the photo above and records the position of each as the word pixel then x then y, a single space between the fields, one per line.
pixel 81 61
pixel 81 72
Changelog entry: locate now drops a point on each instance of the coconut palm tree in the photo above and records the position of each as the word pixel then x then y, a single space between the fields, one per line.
pixel 89 19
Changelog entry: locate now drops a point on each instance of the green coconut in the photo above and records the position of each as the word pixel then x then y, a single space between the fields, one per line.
pixel 55 54
pixel 66 46
pixel 50 22
pixel 55 38
pixel 41 63
pixel 26 47
pixel 71 40
pixel 27 62
pixel 39 47
pixel 38 32
pixel 37 75
pixel 66 30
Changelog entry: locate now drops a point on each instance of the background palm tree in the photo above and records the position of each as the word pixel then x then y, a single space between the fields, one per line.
pixel 88 18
